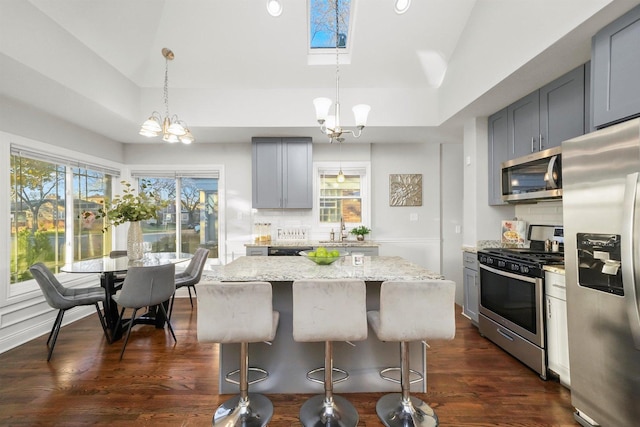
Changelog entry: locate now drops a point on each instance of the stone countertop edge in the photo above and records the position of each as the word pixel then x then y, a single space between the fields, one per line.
pixel 285 269
pixel 554 268
pixel 296 244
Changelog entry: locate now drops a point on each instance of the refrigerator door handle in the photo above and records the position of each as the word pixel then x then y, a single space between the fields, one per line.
pixel 629 268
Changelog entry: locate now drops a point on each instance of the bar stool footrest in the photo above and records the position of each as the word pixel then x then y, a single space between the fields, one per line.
pixel 417 374
pixel 344 377
pixel 265 375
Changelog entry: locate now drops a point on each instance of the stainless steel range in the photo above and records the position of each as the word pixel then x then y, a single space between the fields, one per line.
pixel 512 296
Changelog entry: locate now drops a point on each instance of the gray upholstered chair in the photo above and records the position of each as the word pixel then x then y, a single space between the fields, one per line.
pixel 239 312
pixel 191 275
pixel 411 311
pixel 327 311
pixel 62 298
pixel 145 287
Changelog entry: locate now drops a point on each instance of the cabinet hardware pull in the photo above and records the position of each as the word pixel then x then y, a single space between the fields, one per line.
pixel 532 141
pixel 540 142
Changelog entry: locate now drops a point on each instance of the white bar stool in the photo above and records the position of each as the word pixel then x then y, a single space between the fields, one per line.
pixel 239 312
pixel 327 311
pixel 411 311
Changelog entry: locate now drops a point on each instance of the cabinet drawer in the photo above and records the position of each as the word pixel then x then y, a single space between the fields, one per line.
pixel 555 285
pixel 470 260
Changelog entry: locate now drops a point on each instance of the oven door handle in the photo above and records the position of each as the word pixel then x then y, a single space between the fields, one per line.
pixel 630 271
pixel 508 274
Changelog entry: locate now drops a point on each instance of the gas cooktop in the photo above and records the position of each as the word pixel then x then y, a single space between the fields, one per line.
pixel 526 255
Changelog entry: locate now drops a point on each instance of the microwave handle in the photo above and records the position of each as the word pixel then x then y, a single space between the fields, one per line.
pixel 629 267
pixel 552 164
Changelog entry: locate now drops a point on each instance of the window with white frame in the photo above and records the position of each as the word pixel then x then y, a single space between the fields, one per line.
pixel 347 200
pixel 189 219
pixel 53 207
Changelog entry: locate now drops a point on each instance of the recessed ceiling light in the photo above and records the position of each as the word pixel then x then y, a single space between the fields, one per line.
pixel 274 7
pixel 402 6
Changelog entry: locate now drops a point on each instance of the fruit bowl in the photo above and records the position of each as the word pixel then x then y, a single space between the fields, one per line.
pixel 322 259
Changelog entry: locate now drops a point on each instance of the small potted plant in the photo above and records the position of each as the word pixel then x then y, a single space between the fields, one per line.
pixel 360 232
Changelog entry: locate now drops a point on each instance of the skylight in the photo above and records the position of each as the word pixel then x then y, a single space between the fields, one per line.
pixel 322 23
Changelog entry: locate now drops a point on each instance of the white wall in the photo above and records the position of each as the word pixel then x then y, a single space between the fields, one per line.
pixel 481 221
pixel 451 224
pixel 416 240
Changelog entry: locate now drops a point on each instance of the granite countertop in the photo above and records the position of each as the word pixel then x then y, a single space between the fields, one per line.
pixel 554 268
pixel 290 268
pixel 325 243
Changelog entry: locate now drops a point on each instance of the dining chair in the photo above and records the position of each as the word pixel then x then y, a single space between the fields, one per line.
pixel 191 275
pixel 145 287
pixel 62 298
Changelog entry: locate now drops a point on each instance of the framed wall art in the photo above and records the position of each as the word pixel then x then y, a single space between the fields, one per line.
pixel 405 189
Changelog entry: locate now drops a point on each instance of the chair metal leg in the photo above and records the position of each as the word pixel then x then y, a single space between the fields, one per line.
pixel 246 409
pixel 401 409
pixel 103 323
pixel 173 297
pixel 55 323
pixel 168 320
pixel 54 333
pixel 190 299
pixel 328 410
pixel 126 339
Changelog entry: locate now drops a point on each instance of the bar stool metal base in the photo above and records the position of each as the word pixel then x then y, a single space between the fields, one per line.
pixel 336 412
pixel 393 411
pixel 256 411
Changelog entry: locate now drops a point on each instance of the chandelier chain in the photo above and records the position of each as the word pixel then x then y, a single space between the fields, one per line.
pixel 166 86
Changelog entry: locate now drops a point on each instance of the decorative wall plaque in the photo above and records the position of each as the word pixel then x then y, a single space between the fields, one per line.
pixel 405 189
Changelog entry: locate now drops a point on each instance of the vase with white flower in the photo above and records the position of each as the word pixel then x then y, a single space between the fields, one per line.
pixel 132 207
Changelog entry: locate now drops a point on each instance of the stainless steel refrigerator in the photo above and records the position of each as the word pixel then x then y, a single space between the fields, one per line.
pixel 601 208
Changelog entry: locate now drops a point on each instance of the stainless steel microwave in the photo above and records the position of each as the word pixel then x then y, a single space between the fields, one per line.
pixel 536 176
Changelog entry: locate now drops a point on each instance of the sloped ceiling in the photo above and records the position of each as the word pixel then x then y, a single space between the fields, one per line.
pixel 238 72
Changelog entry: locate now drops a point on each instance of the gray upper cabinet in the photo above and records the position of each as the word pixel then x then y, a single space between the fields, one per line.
pixel 524 125
pixel 548 116
pixel 498 153
pixel 562 109
pixel 282 173
pixel 615 67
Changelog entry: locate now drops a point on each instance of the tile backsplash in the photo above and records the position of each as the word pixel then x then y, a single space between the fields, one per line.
pixel 543 213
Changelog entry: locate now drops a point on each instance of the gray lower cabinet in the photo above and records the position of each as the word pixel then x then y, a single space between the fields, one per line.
pixel 498 153
pixel 615 67
pixel 257 251
pixel 282 173
pixel 471 281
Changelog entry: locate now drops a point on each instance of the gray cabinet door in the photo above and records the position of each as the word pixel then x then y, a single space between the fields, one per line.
pixel 267 173
pixel 562 109
pixel 282 173
pixel 471 305
pixel 524 125
pixel 498 153
pixel 297 173
pixel 615 67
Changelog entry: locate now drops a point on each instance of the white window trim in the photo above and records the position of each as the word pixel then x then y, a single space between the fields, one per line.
pixel 178 171
pixel 25 290
pixel 365 193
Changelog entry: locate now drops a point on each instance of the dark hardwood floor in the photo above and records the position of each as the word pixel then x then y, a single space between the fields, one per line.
pixel 471 382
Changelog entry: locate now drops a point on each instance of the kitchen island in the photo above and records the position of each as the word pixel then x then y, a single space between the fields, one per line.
pixel 288 361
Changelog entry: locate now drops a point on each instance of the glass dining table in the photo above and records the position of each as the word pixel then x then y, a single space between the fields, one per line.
pixel 110 268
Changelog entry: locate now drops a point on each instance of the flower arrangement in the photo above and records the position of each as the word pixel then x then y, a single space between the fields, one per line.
pixel 360 231
pixel 130 206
